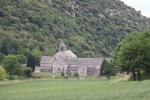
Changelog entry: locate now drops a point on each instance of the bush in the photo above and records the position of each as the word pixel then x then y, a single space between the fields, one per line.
pixel 76 75
pixel 27 71
pixel 2 73
pixel 62 74
pixel 18 70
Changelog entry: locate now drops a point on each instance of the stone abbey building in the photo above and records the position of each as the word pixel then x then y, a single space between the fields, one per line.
pixel 67 62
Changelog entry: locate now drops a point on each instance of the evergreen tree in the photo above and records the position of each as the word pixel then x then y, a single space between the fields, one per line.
pixel 4 48
pixel 31 61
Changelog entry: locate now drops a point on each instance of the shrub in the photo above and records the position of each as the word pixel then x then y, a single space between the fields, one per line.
pixel 76 75
pixel 18 70
pixel 62 74
pixel 27 71
pixel 2 73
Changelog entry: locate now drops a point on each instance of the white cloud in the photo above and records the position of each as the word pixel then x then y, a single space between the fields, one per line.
pixel 142 5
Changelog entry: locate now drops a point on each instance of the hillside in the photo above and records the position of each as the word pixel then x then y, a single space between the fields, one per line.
pixel 91 28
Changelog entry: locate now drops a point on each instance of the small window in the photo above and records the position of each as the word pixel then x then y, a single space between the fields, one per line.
pixel 62 48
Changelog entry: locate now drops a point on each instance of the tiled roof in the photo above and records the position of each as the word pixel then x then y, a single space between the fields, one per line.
pixel 47 59
pixel 65 54
pixel 85 61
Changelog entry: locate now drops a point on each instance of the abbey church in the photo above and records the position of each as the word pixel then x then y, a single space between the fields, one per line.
pixel 67 62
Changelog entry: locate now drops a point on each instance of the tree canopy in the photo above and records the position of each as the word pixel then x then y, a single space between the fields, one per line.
pixel 133 53
pixel 11 65
pixel 31 61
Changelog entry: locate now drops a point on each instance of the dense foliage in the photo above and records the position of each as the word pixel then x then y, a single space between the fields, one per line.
pixel 108 69
pixel 133 54
pixel 11 65
pixel 31 61
pixel 90 27
pixel 27 71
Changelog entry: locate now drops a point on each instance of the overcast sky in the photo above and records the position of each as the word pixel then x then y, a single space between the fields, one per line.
pixel 142 5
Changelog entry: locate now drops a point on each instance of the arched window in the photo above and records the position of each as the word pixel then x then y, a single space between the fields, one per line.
pixel 62 48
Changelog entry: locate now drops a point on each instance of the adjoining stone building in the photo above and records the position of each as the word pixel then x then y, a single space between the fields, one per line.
pixel 67 62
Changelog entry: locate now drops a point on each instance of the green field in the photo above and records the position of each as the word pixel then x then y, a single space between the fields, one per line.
pixel 74 90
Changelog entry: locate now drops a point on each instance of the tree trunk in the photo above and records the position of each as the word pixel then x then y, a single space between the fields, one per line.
pixel 139 75
pixel 10 76
pixel 134 76
pixel 10 73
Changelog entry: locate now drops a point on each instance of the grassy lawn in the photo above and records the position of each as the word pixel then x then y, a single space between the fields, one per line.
pixel 74 90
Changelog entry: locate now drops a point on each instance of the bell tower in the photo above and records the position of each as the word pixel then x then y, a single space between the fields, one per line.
pixel 62 46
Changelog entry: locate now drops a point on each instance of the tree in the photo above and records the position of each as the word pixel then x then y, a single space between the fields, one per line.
pixel 31 61
pixel 1 57
pixel 2 73
pixel 2 3
pixel 4 48
pixel 11 64
pixel 21 59
pixel 133 54
pixel 37 56
pixel 108 69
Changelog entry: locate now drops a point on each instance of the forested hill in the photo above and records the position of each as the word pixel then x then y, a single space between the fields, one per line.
pixel 89 27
